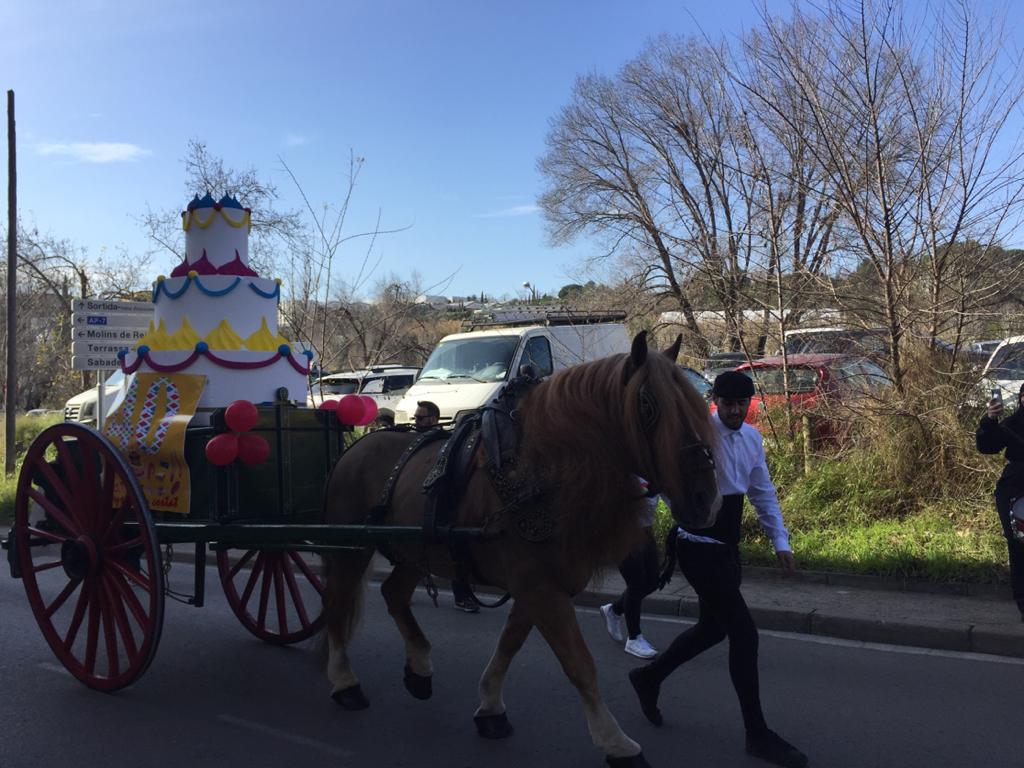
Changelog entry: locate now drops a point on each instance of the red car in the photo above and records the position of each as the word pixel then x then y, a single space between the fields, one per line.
pixel 817 383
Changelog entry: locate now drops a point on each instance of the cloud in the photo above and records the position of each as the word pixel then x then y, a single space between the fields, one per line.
pixel 95 152
pixel 504 213
pixel 295 140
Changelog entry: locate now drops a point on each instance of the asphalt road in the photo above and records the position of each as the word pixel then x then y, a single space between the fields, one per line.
pixel 215 696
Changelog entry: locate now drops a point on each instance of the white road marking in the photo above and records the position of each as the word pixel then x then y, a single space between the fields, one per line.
pixel 837 641
pixel 292 738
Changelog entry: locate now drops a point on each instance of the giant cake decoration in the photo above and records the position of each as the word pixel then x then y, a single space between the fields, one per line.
pixel 216 317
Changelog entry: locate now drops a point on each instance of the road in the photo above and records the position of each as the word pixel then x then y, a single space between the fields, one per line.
pixel 215 696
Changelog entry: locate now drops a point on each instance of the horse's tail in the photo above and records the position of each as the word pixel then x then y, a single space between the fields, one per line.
pixel 343 593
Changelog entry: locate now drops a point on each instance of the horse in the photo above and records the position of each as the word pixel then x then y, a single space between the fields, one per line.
pixel 587 432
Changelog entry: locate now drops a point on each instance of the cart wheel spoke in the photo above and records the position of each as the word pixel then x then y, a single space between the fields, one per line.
pixel 257 569
pixel 282 616
pixel 307 572
pixel 55 512
pixel 288 619
pixel 111 617
pixel 58 601
pixel 293 590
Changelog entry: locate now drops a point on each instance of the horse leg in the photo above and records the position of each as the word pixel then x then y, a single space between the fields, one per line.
pixel 343 598
pixel 490 718
pixel 556 619
pixel 397 590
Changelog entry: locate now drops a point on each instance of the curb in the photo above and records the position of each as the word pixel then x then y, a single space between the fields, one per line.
pixel 945 636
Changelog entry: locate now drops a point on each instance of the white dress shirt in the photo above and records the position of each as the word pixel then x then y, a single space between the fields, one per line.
pixel 741 469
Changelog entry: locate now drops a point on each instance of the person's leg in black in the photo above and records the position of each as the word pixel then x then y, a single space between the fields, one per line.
pixel 461 591
pixel 640 572
pixel 1015 550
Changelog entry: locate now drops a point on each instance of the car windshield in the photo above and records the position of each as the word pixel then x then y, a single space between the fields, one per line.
pixel 337 386
pixel 771 382
pixel 481 359
pixel 699 382
pixel 1008 362
pixel 115 379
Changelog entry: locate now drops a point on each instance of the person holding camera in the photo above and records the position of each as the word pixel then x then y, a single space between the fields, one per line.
pixel 997 434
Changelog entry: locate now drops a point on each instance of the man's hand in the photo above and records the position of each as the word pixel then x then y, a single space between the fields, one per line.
pixel 786 561
pixel 995 409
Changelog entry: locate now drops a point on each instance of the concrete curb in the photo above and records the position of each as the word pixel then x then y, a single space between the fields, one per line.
pixel 946 635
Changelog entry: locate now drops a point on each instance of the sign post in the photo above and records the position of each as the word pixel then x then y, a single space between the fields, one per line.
pixel 100 328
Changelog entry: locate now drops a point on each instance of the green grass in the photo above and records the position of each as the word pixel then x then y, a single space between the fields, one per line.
pixel 26 429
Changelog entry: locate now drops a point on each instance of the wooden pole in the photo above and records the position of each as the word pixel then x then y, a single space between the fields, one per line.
pixel 11 397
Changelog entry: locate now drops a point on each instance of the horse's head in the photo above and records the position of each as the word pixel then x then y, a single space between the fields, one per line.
pixel 669 432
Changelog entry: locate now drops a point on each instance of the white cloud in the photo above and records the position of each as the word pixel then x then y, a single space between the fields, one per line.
pixel 94 152
pixel 295 140
pixel 516 210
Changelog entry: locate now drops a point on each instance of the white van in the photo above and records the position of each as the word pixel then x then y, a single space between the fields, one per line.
pixel 82 407
pixel 467 370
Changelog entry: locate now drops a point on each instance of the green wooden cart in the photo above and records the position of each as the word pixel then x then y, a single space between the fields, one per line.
pixel 95 571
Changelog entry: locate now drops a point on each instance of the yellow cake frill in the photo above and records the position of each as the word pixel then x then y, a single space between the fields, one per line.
pixel 155 338
pixel 185 337
pixel 189 218
pixel 224 337
pixel 263 340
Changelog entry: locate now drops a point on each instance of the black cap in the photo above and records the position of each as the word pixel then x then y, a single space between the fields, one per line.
pixel 733 385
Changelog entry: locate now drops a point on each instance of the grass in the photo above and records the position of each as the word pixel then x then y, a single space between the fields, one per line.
pixel 26 429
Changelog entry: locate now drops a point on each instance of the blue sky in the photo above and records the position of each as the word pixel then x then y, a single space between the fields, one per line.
pixel 447 101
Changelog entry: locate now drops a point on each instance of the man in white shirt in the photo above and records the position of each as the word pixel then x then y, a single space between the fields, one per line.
pixel 709 558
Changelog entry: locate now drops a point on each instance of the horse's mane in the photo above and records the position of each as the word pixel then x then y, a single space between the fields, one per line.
pixel 582 432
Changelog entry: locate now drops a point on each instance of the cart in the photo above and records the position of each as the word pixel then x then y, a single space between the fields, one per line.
pixel 94 569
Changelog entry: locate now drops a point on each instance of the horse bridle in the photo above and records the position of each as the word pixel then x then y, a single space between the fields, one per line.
pixel 649 412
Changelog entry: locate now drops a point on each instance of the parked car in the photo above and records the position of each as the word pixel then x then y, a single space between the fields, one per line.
pixel 82 407
pixel 1003 371
pixel 720 362
pixel 386 384
pixel 817 383
pixel 700 383
pixel 872 343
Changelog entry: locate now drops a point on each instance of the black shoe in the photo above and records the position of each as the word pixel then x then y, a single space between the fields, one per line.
pixel 647 692
pixel 467 604
pixel 776 750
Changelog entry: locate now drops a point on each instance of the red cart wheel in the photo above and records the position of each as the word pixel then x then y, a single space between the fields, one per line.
pixel 90 562
pixel 269 592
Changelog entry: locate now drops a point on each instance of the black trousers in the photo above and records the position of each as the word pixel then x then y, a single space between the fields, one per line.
pixel 1015 548
pixel 714 572
pixel 640 572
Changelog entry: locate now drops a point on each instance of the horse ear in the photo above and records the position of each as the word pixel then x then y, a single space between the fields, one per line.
pixel 673 352
pixel 638 354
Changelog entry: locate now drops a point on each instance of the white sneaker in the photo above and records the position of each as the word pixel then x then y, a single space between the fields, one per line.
pixel 639 647
pixel 615 624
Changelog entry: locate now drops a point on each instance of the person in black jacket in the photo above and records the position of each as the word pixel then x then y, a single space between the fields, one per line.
pixel 994 436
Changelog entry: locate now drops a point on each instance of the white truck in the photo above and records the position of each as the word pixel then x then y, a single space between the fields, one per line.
pixel 467 370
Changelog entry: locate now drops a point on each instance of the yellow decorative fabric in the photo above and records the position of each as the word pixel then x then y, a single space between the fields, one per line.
pixel 263 340
pixel 184 338
pixel 224 337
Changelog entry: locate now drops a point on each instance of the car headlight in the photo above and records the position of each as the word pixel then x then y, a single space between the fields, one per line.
pixel 87 410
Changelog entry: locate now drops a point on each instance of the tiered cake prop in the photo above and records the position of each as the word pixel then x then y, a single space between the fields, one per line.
pixel 216 317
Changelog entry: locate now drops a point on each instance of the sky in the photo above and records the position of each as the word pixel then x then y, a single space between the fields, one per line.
pixel 448 101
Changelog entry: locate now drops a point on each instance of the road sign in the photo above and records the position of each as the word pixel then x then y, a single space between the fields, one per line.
pixel 101 333
pixel 111 321
pixel 95 362
pixel 104 348
pixel 110 306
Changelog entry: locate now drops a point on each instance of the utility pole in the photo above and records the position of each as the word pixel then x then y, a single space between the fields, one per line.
pixel 11 393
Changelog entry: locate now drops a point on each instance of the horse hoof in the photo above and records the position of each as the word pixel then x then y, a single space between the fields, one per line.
pixel 419 686
pixel 633 761
pixel 493 726
pixel 351 698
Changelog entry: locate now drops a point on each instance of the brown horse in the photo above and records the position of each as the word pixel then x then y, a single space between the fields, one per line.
pixel 586 433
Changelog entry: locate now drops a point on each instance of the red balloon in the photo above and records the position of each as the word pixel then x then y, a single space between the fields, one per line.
pixel 253 449
pixel 222 449
pixel 241 416
pixel 329 405
pixel 350 409
pixel 369 411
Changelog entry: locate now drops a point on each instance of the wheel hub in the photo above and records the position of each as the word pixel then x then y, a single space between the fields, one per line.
pixel 79 557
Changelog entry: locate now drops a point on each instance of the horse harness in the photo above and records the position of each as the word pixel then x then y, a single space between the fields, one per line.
pixel 496 426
